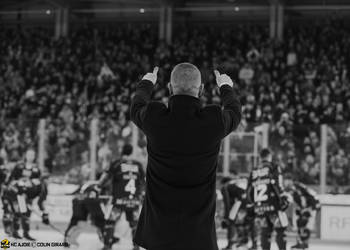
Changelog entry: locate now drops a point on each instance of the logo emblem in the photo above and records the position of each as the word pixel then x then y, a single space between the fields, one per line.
pixel 5 244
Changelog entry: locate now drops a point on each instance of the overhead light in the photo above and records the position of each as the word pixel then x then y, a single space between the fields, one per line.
pixel 142 10
pixel 236 8
pixel 48 12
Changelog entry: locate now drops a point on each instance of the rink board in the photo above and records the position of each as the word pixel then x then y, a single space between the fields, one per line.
pixel 335 217
pixel 333 222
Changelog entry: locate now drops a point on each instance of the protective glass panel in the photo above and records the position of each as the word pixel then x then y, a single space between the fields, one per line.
pixel 67 148
pixel 297 149
pixel 338 158
pixel 16 137
pixel 112 136
pixel 242 153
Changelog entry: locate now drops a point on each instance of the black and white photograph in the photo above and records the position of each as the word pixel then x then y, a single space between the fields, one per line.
pixel 175 124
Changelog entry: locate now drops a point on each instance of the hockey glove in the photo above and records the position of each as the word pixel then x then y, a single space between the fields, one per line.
pixel 284 203
pixel 45 218
pixel 225 223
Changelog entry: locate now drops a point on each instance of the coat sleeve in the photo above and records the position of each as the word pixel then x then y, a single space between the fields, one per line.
pixel 139 102
pixel 232 110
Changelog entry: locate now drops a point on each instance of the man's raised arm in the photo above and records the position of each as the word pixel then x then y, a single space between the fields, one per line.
pixel 142 97
pixel 232 111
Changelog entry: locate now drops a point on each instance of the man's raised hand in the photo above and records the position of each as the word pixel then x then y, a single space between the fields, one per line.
pixel 222 79
pixel 152 76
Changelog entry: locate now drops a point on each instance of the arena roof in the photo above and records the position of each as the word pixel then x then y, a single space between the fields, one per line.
pixel 16 4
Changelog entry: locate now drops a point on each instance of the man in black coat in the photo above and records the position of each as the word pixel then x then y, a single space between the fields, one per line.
pixel 183 146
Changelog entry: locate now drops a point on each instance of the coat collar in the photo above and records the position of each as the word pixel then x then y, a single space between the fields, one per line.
pixel 184 103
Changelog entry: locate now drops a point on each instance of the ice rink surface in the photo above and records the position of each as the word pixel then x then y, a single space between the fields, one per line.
pixel 90 241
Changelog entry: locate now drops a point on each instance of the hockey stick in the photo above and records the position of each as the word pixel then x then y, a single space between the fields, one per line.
pixel 50 225
pixel 55 228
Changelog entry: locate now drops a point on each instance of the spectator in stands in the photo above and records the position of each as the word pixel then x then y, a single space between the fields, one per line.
pixel 93 73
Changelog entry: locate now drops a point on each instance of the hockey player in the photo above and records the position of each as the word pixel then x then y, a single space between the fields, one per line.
pixel 87 205
pixel 307 203
pixel 3 174
pixel 22 187
pixel 236 214
pixel 7 218
pixel 128 180
pixel 266 193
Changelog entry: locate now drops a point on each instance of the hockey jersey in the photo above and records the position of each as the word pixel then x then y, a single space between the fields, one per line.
pixel 265 187
pixel 27 175
pixel 305 197
pixel 232 194
pixel 128 180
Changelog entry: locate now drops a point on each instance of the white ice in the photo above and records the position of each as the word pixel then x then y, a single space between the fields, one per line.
pixel 90 241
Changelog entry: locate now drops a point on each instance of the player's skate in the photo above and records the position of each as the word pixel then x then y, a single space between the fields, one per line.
pixel 73 243
pixel 300 246
pixel 229 247
pixel 72 237
pixel 241 247
pixel 230 244
pixel 16 235
pixel 107 247
pixel 28 237
pixel 109 244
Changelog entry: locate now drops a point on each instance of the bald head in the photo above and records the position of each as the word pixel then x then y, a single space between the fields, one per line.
pixel 186 79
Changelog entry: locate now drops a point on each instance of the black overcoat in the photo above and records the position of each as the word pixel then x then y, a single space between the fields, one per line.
pixel 183 143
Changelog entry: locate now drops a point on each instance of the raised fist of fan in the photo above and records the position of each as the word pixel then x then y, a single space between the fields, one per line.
pixel 222 79
pixel 152 76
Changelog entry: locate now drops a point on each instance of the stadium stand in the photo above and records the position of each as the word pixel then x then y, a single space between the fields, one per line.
pixel 93 73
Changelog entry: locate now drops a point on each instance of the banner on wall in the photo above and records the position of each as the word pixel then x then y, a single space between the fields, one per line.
pixel 335 217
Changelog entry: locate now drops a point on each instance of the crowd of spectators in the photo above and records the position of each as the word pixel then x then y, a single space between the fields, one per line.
pixel 294 85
